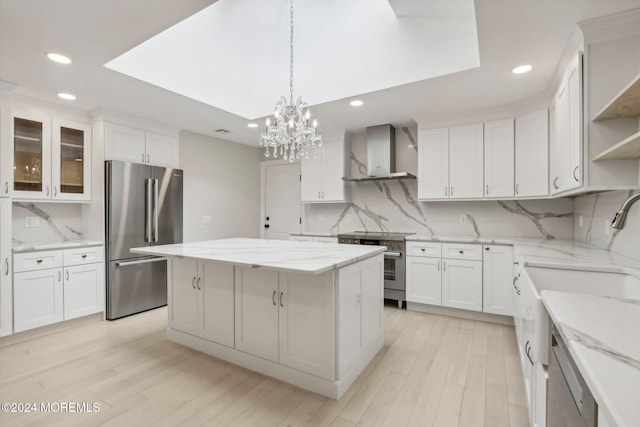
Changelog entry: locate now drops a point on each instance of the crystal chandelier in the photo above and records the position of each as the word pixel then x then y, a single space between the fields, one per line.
pixel 290 135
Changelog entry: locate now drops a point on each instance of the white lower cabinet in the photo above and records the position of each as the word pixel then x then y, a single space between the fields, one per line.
pixel 56 285
pixel 6 266
pixel 424 273
pixel 37 298
pixel 201 300
pixel 286 318
pixel 497 277
pixel 462 284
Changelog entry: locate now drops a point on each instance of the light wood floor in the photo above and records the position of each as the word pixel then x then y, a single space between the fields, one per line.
pixel 433 370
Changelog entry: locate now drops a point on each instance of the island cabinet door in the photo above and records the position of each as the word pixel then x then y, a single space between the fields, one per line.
pixel 306 323
pixel 183 296
pixel 348 319
pixel 256 302
pixel 215 303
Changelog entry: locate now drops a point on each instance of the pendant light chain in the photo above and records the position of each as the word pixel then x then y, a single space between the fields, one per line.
pixel 291 54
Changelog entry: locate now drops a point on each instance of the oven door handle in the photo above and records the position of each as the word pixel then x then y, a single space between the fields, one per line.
pixel 393 254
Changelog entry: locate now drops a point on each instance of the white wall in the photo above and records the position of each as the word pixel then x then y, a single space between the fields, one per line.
pixel 221 180
pixel 597 211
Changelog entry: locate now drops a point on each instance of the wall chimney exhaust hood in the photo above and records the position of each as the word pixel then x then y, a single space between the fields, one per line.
pixel 381 156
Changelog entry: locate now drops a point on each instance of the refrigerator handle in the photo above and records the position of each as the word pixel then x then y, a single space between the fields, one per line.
pixel 155 210
pixel 147 210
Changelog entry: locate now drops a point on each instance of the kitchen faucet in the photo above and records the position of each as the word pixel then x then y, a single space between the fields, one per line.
pixel 621 215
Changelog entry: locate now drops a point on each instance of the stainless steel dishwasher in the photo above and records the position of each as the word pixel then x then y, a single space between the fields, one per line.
pixel 569 401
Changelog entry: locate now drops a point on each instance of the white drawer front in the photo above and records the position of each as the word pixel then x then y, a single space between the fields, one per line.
pixel 84 255
pixel 462 251
pixel 424 249
pixel 41 260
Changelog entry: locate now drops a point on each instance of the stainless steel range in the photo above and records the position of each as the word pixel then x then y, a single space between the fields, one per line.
pixel 394 261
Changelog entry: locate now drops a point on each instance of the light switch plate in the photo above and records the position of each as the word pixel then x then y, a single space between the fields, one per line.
pixel 463 219
pixel 206 220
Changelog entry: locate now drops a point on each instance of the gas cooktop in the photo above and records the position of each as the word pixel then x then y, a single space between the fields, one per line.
pixel 377 235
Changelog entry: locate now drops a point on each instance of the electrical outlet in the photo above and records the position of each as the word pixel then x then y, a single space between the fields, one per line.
pixel 463 219
pixel 206 220
pixel 580 221
pixel 347 218
pixel 32 221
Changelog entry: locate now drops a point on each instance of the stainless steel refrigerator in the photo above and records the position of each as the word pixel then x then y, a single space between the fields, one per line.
pixel 143 208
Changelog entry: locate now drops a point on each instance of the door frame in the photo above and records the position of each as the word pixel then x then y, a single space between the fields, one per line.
pixel 263 190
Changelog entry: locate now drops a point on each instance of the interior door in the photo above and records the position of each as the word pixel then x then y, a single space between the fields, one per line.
pixel 282 200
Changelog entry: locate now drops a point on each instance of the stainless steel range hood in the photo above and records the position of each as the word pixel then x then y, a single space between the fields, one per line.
pixel 381 156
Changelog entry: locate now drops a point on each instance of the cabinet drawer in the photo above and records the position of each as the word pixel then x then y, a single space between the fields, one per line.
pixel 29 261
pixel 462 251
pixel 424 249
pixel 84 255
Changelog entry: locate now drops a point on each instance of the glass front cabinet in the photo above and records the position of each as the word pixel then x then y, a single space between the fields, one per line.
pixel 51 158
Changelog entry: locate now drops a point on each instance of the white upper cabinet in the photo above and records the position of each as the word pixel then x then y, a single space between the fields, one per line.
pixel 6 148
pixel 532 154
pixel 71 160
pixel 140 146
pixel 466 176
pixel 31 155
pixel 499 160
pixel 450 162
pixel 321 174
pixel 433 163
pixel 51 158
pixel 124 143
pixel 566 131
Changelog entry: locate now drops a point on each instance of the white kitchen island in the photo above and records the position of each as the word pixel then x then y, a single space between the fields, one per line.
pixel 307 313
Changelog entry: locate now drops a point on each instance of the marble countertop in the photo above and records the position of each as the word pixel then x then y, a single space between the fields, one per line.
pixel 555 253
pixel 44 246
pixel 314 234
pixel 282 255
pixel 605 348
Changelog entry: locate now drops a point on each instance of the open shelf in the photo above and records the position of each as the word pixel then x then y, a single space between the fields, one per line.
pixel 625 104
pixel 624 150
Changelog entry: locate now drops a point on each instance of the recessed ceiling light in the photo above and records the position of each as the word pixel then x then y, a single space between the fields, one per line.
pixel 59 58
pixel 252 125
pixel 67 96
pixel 522 69
pixel 356 103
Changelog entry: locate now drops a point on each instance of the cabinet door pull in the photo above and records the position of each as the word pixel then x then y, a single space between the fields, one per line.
pixel 461 252
pixel 47 191
pixel 6 266
pixel 67 274
pixel 39 261
pixel 142 157
pixel 517 189
pixel 6 187
pixel 280 299
pixel 574 173
pixel 55 191
pixel 273 298
pixel 193 282
pixel 487 189
pixel 198 282
pixel 446 191
pixel 148 158
pixel 515 279
pixel 444 266
pixel 438 267
pixel 59 276
pixel 555 182
pixel 487 248
pixel 84 256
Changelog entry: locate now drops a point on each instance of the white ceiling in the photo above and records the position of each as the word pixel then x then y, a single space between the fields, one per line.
pixel 94 32
pixel 239 61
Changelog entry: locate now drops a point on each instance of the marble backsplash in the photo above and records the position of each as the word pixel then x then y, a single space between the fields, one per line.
pixel 593 215
pixel 58 222
pixel 393 206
